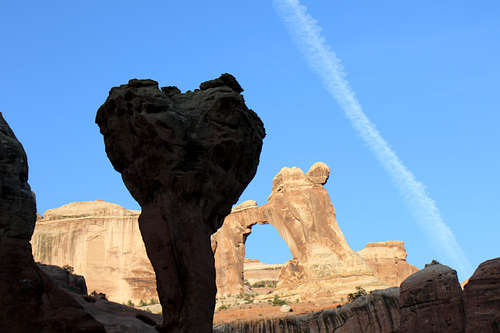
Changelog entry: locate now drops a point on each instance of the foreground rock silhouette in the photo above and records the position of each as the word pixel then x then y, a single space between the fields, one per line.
pixel 30 301
pixel 186 158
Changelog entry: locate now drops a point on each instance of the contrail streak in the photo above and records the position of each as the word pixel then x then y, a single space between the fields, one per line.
pixel 307 33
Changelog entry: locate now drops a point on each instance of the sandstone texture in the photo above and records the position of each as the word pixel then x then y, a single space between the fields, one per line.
pixel 186 158
pixel 431 301
pixel 323 264
pixel 65 279
pixel 30 301
pixel 255 271
pixel 388 261
pixel 374 313
pixel 118 318
pixel 102 242
pixel 482 298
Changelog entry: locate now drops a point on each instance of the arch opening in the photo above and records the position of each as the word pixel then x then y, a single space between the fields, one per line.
pixel 265 254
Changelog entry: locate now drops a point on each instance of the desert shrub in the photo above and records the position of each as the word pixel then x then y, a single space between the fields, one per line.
pixel 68 269
pixel 358 293
pixel 259 284
pixel 246 283
pixel 130 303
pixel 153 301
pixel 433 262
pixel 223 307
pixel 271 284
pixel 265 283
pixel 142 303
pixel 278 301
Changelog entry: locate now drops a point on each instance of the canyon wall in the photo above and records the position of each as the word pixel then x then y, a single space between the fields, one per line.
pixel 102 242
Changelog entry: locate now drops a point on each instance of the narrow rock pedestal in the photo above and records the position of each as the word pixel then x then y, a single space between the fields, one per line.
pixel 186 158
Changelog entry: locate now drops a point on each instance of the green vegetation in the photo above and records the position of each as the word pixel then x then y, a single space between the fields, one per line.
pixel 265 284
pixel 130 303
pixel 68 269
pixel 358 293
pixel 223 307
pixel 278 301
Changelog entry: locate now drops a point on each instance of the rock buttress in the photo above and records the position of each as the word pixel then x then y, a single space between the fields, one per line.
pixel 186 158
pixel 30 301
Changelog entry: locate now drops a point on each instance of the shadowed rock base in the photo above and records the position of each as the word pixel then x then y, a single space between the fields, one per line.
pixel 374 313
pixel 30 301
pixel 186 158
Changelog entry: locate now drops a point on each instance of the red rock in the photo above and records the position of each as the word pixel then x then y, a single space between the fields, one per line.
pixel 431 301
pixel 388 260
pixel 323 264
pixel 482 298
pixel 186 158
pixel 30 301
pixel 374 313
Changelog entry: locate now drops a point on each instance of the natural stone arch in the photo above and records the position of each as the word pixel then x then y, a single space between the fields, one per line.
pixel 300 209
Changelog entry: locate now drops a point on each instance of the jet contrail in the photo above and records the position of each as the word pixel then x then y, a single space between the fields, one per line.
pixel 307 33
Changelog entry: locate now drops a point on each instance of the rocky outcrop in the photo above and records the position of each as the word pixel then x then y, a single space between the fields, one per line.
pixel 118 318
pixel 65 279
pixel 186 158
pixel 482 298
pixel 431 301
pixel 255 271
pixel 323 264
pixel 102 242
pixel 30 301
pixel 374 313
pixel 388 261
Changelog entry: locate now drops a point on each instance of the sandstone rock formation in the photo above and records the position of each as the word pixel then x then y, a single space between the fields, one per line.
pixel 431 301
pixel 30 301
pixel 374 313
pixel 323 264
pixel 102 242
pixel 388 261
pixel 482 298
pixel 255 271
pixel 65 279
pixel 186 158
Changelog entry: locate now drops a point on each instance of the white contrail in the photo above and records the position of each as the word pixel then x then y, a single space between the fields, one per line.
pixel 305 29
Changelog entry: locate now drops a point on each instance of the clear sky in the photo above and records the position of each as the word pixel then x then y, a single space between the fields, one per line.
pixel 426 75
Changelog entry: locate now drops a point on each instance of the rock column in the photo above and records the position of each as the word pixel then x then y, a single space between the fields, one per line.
pixel 186 158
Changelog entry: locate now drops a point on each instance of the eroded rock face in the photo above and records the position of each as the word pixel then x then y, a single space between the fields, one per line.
pixel 482 298
pixel 431 301
pixel 388 260
pixel 102 242
pixel 374 313
pixel 185 158
pixel 300 208
pixel 30 301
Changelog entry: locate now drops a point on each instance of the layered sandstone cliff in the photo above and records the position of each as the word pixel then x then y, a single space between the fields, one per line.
pixel 388 261
pixel 102 242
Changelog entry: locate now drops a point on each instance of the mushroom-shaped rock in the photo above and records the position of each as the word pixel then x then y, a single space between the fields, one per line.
pixel 431 301
pixel 482 298
pixel 186 158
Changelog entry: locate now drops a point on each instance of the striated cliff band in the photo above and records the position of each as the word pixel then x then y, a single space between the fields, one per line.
pixel 102 242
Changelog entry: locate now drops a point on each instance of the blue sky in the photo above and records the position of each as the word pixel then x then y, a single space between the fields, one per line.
pixel 426 75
